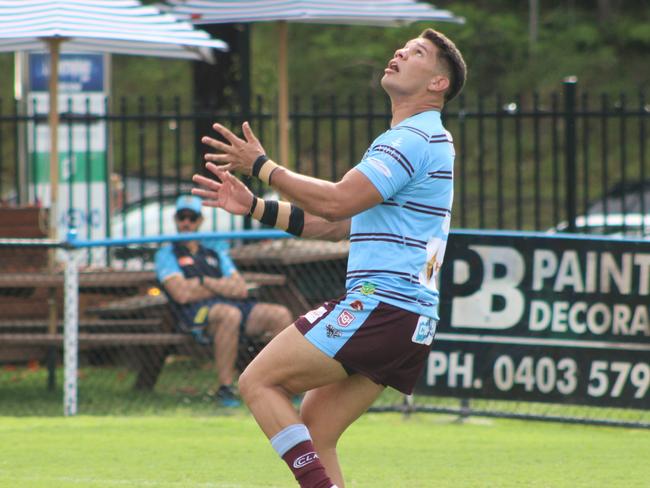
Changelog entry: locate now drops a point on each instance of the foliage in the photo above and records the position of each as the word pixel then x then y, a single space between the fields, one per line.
pixel 574 39
pixel 348 61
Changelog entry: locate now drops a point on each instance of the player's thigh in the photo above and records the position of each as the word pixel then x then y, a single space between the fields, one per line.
pixel 329 410
pixel 264 314
pixel 293 363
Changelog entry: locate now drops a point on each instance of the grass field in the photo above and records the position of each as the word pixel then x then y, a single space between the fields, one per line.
pixel 380 450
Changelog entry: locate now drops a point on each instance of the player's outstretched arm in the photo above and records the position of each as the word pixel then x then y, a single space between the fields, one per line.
pixel 234 197
pixel 331 201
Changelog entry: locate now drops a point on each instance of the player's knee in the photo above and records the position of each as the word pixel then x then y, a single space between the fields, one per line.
pixel 247 386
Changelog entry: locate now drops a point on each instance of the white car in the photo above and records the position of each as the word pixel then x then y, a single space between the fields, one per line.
pixel 624 211
pixel 153 220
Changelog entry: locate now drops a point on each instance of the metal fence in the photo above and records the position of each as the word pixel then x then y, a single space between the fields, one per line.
pixel 526 162
pixel 79 339
pixel 562 161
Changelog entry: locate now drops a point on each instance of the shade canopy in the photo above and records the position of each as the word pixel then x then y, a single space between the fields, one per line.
pixel 110 26
pixel 353 12
pixel 350 12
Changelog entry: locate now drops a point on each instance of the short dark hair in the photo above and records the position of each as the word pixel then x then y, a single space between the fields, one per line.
pixel 452 60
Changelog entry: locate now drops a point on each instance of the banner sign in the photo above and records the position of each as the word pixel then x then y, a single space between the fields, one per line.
pixel 78 72
pixel 543 318
pixel 83 88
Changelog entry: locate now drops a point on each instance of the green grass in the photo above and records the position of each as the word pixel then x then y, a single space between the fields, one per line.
pixel 380 450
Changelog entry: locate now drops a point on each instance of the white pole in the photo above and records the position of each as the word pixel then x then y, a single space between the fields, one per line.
pixel 71 333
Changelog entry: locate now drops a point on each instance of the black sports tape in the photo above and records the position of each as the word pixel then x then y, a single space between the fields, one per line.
pixel 270 215
pixel 257 165
pixel 296 221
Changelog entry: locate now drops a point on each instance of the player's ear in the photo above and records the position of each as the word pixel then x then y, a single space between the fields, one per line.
pixel 438 83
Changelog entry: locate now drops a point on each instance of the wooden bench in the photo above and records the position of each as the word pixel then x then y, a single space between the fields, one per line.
pixel 23 223
pixel 142 325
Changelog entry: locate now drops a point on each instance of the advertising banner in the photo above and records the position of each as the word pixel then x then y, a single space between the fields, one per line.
pixel 543 318
pixel 82 145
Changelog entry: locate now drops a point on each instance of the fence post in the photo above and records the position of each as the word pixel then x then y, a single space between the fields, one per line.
pixel 570 140
pixel 70 330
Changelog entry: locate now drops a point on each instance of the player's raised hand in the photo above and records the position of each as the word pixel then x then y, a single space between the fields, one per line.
pixel 237 154
pixel 231 194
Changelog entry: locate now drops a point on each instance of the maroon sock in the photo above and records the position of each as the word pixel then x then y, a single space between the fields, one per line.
pixel 306 467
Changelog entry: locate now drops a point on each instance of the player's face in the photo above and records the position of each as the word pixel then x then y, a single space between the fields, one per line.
pixel 187 221
pixel 411 68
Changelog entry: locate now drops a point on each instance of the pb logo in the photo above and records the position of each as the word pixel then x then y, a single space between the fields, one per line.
pixel 345 318
pixel 486 292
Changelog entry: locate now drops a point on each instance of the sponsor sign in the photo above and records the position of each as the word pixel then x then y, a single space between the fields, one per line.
pixel 541 318
pixel 82 145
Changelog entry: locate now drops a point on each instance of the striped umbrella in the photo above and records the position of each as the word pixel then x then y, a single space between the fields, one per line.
pixel 114 26
pixel 352 12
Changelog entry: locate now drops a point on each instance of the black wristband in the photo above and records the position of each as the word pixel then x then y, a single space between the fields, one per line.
pixel 270 215
pixel 257 165
pixel 253 205
pixel 296 221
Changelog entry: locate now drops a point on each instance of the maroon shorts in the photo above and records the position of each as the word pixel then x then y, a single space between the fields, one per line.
pixel 387 344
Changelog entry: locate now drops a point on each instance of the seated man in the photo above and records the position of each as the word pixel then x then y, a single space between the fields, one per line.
pixel 208 295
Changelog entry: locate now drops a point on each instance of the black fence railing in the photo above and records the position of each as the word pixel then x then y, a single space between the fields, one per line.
pixel 567 161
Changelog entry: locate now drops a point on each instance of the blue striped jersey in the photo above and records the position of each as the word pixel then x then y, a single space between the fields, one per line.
pixel 397 247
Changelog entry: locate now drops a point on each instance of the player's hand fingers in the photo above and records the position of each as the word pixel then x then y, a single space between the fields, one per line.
pixel 215 144
pixel 217 158
pixel 207 195
pixel 248 133
pixel 216 169
pixel 226 133
pixel 206 182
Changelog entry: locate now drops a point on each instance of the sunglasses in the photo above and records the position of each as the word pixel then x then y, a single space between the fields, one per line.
pixel 192 217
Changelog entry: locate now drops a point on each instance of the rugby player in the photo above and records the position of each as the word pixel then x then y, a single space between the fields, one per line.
pixel 395 207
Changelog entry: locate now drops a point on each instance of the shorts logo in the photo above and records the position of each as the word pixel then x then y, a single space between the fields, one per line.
pixel 304 460
pixel 332 332
pixel 345 318
pixel 368 288
pixel 315 314
pixel 357 305
pixel 425 330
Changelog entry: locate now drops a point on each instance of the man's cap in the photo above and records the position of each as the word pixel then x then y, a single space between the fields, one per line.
pixel 189 202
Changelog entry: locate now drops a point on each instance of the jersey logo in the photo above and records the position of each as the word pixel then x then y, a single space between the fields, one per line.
pixel 357 305
pixel 397 142
pixel 185 261
pixel 345 318
pixel 368 288
pixel 379 164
